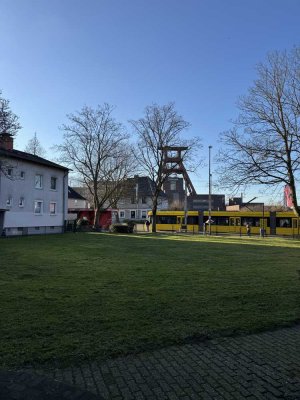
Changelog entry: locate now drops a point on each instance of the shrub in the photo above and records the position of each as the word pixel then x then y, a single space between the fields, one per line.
pixel 83 222
pixel 121 228
pixel 83 225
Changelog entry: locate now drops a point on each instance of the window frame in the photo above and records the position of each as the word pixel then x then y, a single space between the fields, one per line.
pixel 41 181
pixel 132 211
pixel 121 212
pixel 21 202
pixel 143 214
pixel 41 207
pixel 55 208
pixel 53 179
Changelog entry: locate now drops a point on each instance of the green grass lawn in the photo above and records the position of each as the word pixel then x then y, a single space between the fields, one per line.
pixel 77 296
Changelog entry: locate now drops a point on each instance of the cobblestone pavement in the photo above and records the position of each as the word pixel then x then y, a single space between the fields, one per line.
pixel 27 386
pixel 258 366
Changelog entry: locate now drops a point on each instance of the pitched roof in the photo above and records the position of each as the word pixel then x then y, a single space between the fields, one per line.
pixel 72 194
pixel 21 155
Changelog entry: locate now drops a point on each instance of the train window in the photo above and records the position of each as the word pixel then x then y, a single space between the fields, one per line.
pixel 252 221
pixel 192 220
pixel 232 221
pixel 166 219
pixel 283 222
pixel 222 221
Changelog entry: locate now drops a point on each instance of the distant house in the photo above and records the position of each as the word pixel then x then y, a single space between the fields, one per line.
pixel 133 204
pixel 136 201
pixel 33 192
pixel 76 200
pixel 79 208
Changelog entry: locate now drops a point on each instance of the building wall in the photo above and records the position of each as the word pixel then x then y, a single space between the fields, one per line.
pixel 129 210
pixel 200 202
pixel 22 219
pixel 77 203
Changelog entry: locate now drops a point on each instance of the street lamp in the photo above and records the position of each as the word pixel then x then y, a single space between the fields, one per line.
pixel 209 189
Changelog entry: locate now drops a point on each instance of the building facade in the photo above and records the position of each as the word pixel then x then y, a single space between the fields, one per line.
pixel 137 199
pixel 33 193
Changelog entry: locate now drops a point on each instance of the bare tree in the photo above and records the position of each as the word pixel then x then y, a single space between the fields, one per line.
pixel 9 127
pixel 161 126
pixel 264 147
pixel 34 147
pixel 9 124
pixel 96 148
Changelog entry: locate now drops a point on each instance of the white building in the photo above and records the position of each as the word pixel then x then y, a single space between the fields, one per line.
pixel 137 200
pixel 33 192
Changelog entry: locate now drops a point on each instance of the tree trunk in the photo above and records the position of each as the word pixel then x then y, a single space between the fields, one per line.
pixel 97 214
pixel 154 210
pixel 294 198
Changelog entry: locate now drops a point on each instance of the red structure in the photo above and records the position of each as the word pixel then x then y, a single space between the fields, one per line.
pixel 105 219
pixel 288 199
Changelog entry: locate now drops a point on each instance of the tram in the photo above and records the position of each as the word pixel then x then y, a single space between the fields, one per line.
pixel 270 222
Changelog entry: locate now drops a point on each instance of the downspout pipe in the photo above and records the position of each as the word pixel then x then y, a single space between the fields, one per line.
pixel 64 200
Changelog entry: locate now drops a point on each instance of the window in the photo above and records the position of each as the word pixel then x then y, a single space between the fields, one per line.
pixel 21 202
pixel 133 201
pixel 122 214
pixel 192 220
pixel 37 228
pixel 144 200
pixel 9 201
pixel 53 183
pixel 9 172
pixel 144 214
pixel 38 181
pixel 38 207
pixel 283 222
pixel 52 208
pixel 252 221
pixel 166 219
pixel 132 214
pixel 22 175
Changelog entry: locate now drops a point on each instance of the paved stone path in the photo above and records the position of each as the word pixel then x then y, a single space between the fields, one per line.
pixel 259 366
pixel 26 386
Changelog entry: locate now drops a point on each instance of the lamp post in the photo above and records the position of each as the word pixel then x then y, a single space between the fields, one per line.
pixel 209 189
pixel 137 200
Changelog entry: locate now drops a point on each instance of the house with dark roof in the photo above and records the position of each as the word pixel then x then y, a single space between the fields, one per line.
pixel 76 200
pixel 136 200
pixel 33 192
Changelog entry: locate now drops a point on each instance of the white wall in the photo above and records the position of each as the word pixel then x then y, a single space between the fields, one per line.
pixel 17 216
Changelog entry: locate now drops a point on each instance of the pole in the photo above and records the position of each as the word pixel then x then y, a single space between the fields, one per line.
pixel 137 200
pixel 185 203
pixel 263 224
pixel 209 189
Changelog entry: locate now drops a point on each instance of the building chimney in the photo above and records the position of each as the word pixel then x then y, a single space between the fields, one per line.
pixel 6 141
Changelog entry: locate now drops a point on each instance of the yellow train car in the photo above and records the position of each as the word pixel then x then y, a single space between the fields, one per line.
pixel 235 222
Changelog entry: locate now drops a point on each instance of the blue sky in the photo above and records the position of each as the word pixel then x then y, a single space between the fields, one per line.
pixel 59 55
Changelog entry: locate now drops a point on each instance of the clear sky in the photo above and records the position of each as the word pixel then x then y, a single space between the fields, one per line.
pixel 59 55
